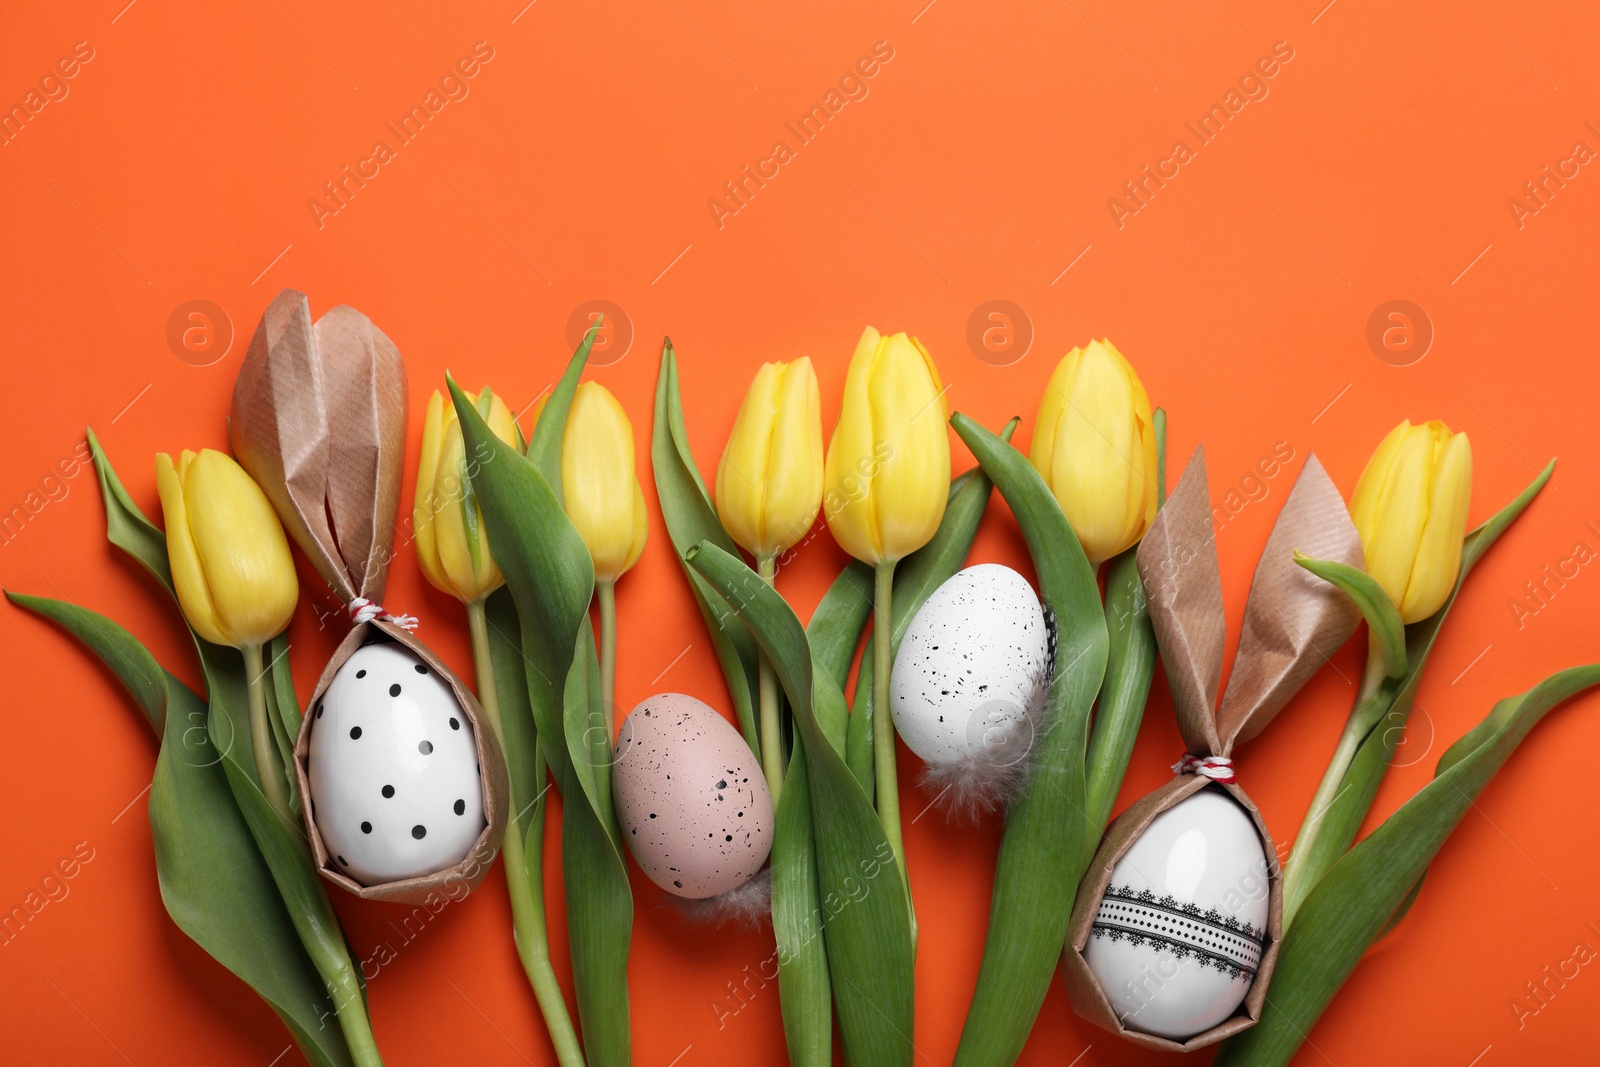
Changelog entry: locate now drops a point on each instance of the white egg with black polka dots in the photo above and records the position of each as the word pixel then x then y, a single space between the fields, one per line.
pixel 393 766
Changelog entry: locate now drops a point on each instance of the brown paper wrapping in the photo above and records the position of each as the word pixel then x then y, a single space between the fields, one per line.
pixel 1293 622
pixel 318 420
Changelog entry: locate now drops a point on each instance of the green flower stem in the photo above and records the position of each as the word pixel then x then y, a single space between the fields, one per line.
pixel 333 962
pixel 522 882
pixel 606 591
pixel 265 749
pixel 1297 880
pixel 883 764
pixel 771 743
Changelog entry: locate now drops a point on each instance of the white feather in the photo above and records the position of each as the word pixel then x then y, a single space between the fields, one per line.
pixel 747 906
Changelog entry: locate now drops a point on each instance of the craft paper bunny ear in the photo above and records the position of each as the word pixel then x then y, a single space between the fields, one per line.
pixel 1293 620
pixel 1183 584
pixel 319 419
pixel 404 785
pixel 1293 623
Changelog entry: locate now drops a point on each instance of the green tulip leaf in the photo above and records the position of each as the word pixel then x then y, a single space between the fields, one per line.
pixel 282 844
pixel 550 577
pixel 1383 618
pixel 867 931
pixel 126 525
pixel 113 646
pixel 1159 422
pixel 1404 908
pixel 518 735
pixel 1130 668
pixel 803 982
pixel 835 627
pixel 529 788
pixel 1354 902
pixel 214 883
pixel 1041 851
pixel 803 986
pixel 834 632
pixel 599 899
pixel 691 518
pixel 283 847
pixel 545 565
pixel 1385 717
pixel 544 447
pixel 283 713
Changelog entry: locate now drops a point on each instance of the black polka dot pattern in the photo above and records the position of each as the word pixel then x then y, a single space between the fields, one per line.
pixel 395 712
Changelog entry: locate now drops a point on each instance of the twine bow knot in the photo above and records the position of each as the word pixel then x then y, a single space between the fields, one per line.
pixel 364 610
pixel 1216 768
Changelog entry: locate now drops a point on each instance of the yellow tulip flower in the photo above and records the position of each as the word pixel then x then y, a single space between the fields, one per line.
pixel 886 479
pixel 1410 507
pixel 452 543
pixel 769 481
pixel 1094 443
pixel 230 559
pixel 599 488
pixel 887 473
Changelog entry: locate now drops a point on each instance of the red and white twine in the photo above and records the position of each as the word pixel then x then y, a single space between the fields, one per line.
pixel 1216 768
pixel 364 610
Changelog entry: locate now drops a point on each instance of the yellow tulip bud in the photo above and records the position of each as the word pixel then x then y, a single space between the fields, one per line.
pixel 452 542
pixel 230 559
pixel 1410 507
pixel 769 481
pixel 887 473
pixel 1094 444
pixel 599 488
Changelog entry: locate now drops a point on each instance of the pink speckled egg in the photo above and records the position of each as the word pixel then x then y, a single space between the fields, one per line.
pixel 692 803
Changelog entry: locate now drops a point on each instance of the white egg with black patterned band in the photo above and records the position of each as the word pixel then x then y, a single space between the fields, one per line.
pixel 1181 928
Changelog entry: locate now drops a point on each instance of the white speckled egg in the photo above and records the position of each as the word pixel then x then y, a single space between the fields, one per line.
pixel 691 801
pixel 393 769
pixel 1182 926
pixel 969 667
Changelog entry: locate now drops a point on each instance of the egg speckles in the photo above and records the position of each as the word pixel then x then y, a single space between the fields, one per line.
pixel 393 769
pixel 970 666
pixel 692 803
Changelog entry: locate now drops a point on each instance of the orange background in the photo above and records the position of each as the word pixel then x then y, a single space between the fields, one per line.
pixel 979 166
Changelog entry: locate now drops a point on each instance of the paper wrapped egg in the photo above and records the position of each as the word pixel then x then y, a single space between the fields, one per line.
pixel 1182 925
pixel 970 668
pixel 691 800
pixel 393 769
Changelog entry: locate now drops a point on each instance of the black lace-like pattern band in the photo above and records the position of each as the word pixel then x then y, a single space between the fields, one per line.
pixel 1221 942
